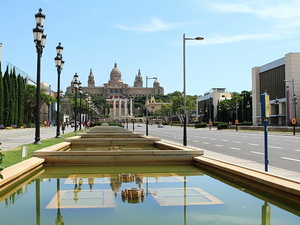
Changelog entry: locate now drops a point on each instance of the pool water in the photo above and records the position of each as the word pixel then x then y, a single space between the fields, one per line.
pixel 168 194
pixel 112 148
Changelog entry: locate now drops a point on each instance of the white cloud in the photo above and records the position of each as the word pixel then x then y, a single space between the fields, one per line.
pixel 283 18
pixel 235 38
pixel 265 9
pixel 153 25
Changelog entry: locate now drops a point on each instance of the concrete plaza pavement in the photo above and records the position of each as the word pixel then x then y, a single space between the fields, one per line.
pixel 13 138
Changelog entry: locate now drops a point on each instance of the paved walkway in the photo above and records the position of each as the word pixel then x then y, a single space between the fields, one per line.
pixel 254 165
pixel 14 138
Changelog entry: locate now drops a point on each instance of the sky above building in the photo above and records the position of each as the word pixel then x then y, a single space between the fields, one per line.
pixel 148 35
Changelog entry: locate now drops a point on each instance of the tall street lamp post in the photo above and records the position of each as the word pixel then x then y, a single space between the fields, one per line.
pixel 76 85
pixel 294 101
pixel 184 85
pixel 147 121
pixel 276 103
pixel 236 115
pixel 39 40
pixel 80 106
pixel 248 112
pixel 59 63
pixel 86 106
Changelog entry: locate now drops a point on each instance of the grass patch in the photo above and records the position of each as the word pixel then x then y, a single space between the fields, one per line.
pixel 14 155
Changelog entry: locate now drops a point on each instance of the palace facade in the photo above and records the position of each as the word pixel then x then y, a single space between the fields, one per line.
pixel 118 93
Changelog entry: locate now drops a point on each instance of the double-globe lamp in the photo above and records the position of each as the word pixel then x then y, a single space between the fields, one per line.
pixel 39 40
pixel 59 63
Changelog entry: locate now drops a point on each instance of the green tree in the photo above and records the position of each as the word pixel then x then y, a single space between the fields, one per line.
pixel 30 102
pixel 14 97
pixel 1 97
pixel 21 100
pixel 7 119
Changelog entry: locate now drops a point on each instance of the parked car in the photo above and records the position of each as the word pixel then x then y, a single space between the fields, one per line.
pixel 160 126
pixel 139 125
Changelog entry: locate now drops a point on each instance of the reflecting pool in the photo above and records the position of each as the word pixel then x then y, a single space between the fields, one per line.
pixel 160 194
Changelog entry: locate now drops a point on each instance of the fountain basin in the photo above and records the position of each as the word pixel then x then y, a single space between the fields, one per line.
pixel 163 153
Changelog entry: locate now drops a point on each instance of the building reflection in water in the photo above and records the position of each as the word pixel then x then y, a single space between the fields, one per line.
pixel 135 194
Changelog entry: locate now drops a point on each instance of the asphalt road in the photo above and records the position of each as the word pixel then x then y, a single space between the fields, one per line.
pixel 283 149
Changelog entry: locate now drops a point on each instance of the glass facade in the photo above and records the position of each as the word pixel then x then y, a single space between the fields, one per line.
pixel 272 81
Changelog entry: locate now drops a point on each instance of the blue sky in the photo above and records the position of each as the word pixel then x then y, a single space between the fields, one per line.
pixel 147 35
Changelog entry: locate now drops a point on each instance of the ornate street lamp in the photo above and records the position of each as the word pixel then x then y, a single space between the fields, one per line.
pixel 59 63
pixel 87 109
pixel 39 40
pixel 184 91
pixel 147 121
pixel 76 85
pixel 80 106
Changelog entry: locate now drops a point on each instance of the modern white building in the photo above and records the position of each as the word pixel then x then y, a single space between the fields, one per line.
pixel 281 80
pixel 207 104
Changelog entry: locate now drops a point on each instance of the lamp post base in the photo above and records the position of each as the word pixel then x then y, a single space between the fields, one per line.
pixel 37 142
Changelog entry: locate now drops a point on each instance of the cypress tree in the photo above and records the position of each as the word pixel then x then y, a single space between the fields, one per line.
pixel 15 97
pixel 1 97
pixel 6 98
pixel 21 100
pixel 11 93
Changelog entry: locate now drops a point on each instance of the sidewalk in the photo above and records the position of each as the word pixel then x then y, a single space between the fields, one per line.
pixel 16 137
pixel 291 175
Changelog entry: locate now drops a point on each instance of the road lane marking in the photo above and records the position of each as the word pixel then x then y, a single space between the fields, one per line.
pixel 297 150
pixel 205 143
pixel 223 140
pixel 254 144
pixel 297 160
pixel 260 153
pixel 213 138
pixel 275 147
pixel 290 140
pixel 237 142
pixel 219 145
pixel 195 141
pixel 235 148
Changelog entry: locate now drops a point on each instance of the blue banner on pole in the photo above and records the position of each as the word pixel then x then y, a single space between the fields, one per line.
pixel 265 105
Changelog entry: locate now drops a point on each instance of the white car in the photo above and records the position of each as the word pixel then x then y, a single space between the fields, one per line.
pixel 139 125
pixel 160 126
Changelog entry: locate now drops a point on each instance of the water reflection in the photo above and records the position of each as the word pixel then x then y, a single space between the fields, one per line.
pixel 266 214
pixel 184 191
pixel 59 219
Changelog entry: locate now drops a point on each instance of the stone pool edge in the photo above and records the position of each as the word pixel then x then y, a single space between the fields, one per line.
pixel 260 177
pixel 15 172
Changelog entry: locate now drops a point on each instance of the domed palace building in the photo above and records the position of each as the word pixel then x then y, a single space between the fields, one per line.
pixel 118 94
